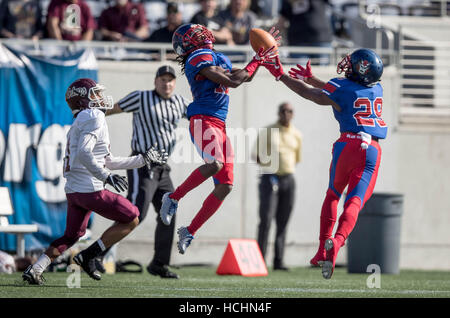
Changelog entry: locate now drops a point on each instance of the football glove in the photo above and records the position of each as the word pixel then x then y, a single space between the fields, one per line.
pixel 301 73
pixel 274 67
pixel 259 58
pixel 119 183
pixel 155 156
pixel 274 32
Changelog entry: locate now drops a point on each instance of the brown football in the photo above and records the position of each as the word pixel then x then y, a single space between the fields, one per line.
pixel 260 38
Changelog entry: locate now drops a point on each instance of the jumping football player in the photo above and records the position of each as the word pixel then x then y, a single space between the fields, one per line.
pixel 209 74
pixel 357 101
pixel 86 156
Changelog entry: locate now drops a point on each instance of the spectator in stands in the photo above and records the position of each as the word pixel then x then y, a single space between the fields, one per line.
pixel 239 19
pixel 174 20
pixel 207 16
pixel 307 25
pixel 21 19
pixel 70 20
pixel 125 22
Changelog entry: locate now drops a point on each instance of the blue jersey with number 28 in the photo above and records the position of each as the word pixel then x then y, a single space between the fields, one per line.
pixel 361 106
pixel 209 98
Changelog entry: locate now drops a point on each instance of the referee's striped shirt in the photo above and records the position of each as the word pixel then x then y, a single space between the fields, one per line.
pixel 154 119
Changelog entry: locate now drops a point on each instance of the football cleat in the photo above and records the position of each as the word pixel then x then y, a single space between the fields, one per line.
pixel 33 278
pixel 331 248
pixel 99 264
pixel 319 258
pixel 88 265
pixel 161 271
pixel 317 261
pixel 168 208
pixel 185 239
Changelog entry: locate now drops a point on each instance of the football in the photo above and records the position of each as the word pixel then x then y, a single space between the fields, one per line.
pixel 260 38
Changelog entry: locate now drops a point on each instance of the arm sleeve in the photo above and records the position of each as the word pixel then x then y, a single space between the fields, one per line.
pixel 198 61
pixel 86 156
pixel 185 106
pixel 53 10
pixel 90 21
pixel 131 102
pixel 118 163
pixel 142 16
pixel 333 91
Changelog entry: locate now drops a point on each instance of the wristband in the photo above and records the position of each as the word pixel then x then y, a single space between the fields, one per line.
pixel 251 67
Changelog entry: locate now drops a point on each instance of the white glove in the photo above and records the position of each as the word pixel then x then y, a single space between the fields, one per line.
pixel 366 140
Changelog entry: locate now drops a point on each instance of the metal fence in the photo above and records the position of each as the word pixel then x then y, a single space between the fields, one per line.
pixel 117 51
pixel 425 71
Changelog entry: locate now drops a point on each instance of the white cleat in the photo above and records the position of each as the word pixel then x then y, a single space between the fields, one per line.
pixel 185 239
pixel 168 208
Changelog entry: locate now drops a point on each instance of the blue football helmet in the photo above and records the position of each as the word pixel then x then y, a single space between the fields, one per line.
pixel 190 37
pixel 363 66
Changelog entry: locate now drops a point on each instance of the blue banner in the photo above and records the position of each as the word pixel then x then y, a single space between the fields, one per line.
pixel 34 121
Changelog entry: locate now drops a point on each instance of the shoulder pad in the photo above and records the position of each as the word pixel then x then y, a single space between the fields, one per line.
pixel 201 57
pixel 90 119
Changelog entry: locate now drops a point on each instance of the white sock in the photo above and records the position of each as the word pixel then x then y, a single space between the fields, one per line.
pixel 102 246
pixel 41 264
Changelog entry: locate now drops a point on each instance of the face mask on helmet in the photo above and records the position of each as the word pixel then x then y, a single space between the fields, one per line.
pixel 190 37
pixel 98 99
pixel 344 66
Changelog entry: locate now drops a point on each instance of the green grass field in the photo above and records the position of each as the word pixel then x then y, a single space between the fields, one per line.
pixel 202 282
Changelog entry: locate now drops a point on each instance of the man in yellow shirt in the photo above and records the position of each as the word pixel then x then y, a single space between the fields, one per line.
pixel 277 182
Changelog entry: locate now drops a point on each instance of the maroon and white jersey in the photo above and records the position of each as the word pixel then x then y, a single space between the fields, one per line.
pixel 87 158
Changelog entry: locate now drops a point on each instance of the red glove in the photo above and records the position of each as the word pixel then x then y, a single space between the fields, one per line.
pixel 301 73
pixel 258 59
pixel 274 67
pixel 274 33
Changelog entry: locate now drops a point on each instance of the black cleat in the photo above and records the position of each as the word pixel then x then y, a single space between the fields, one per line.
pixel 162 271
pixel 88 266
pixel 99 264
pixel 30 276
pixel 280 268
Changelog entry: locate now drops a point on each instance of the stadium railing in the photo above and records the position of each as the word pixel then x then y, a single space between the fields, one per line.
pixel 163 51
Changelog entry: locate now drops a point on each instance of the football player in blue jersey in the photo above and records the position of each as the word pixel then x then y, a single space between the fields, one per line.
pixel 357 101
pixel 209 74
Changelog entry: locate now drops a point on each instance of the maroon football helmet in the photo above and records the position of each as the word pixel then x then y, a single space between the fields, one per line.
pixel 86 93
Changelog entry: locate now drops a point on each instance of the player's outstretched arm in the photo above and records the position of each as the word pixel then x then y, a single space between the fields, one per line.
pixel 115 110
pixel 218 75
pixel 314 94
pixel 237 76
pixel 311 93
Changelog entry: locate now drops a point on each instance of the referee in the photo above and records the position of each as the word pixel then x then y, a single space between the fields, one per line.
pixel 156 114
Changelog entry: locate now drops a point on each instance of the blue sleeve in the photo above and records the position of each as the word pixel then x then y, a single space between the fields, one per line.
pixel 224 62
pixel 198 61
pixel 332 90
